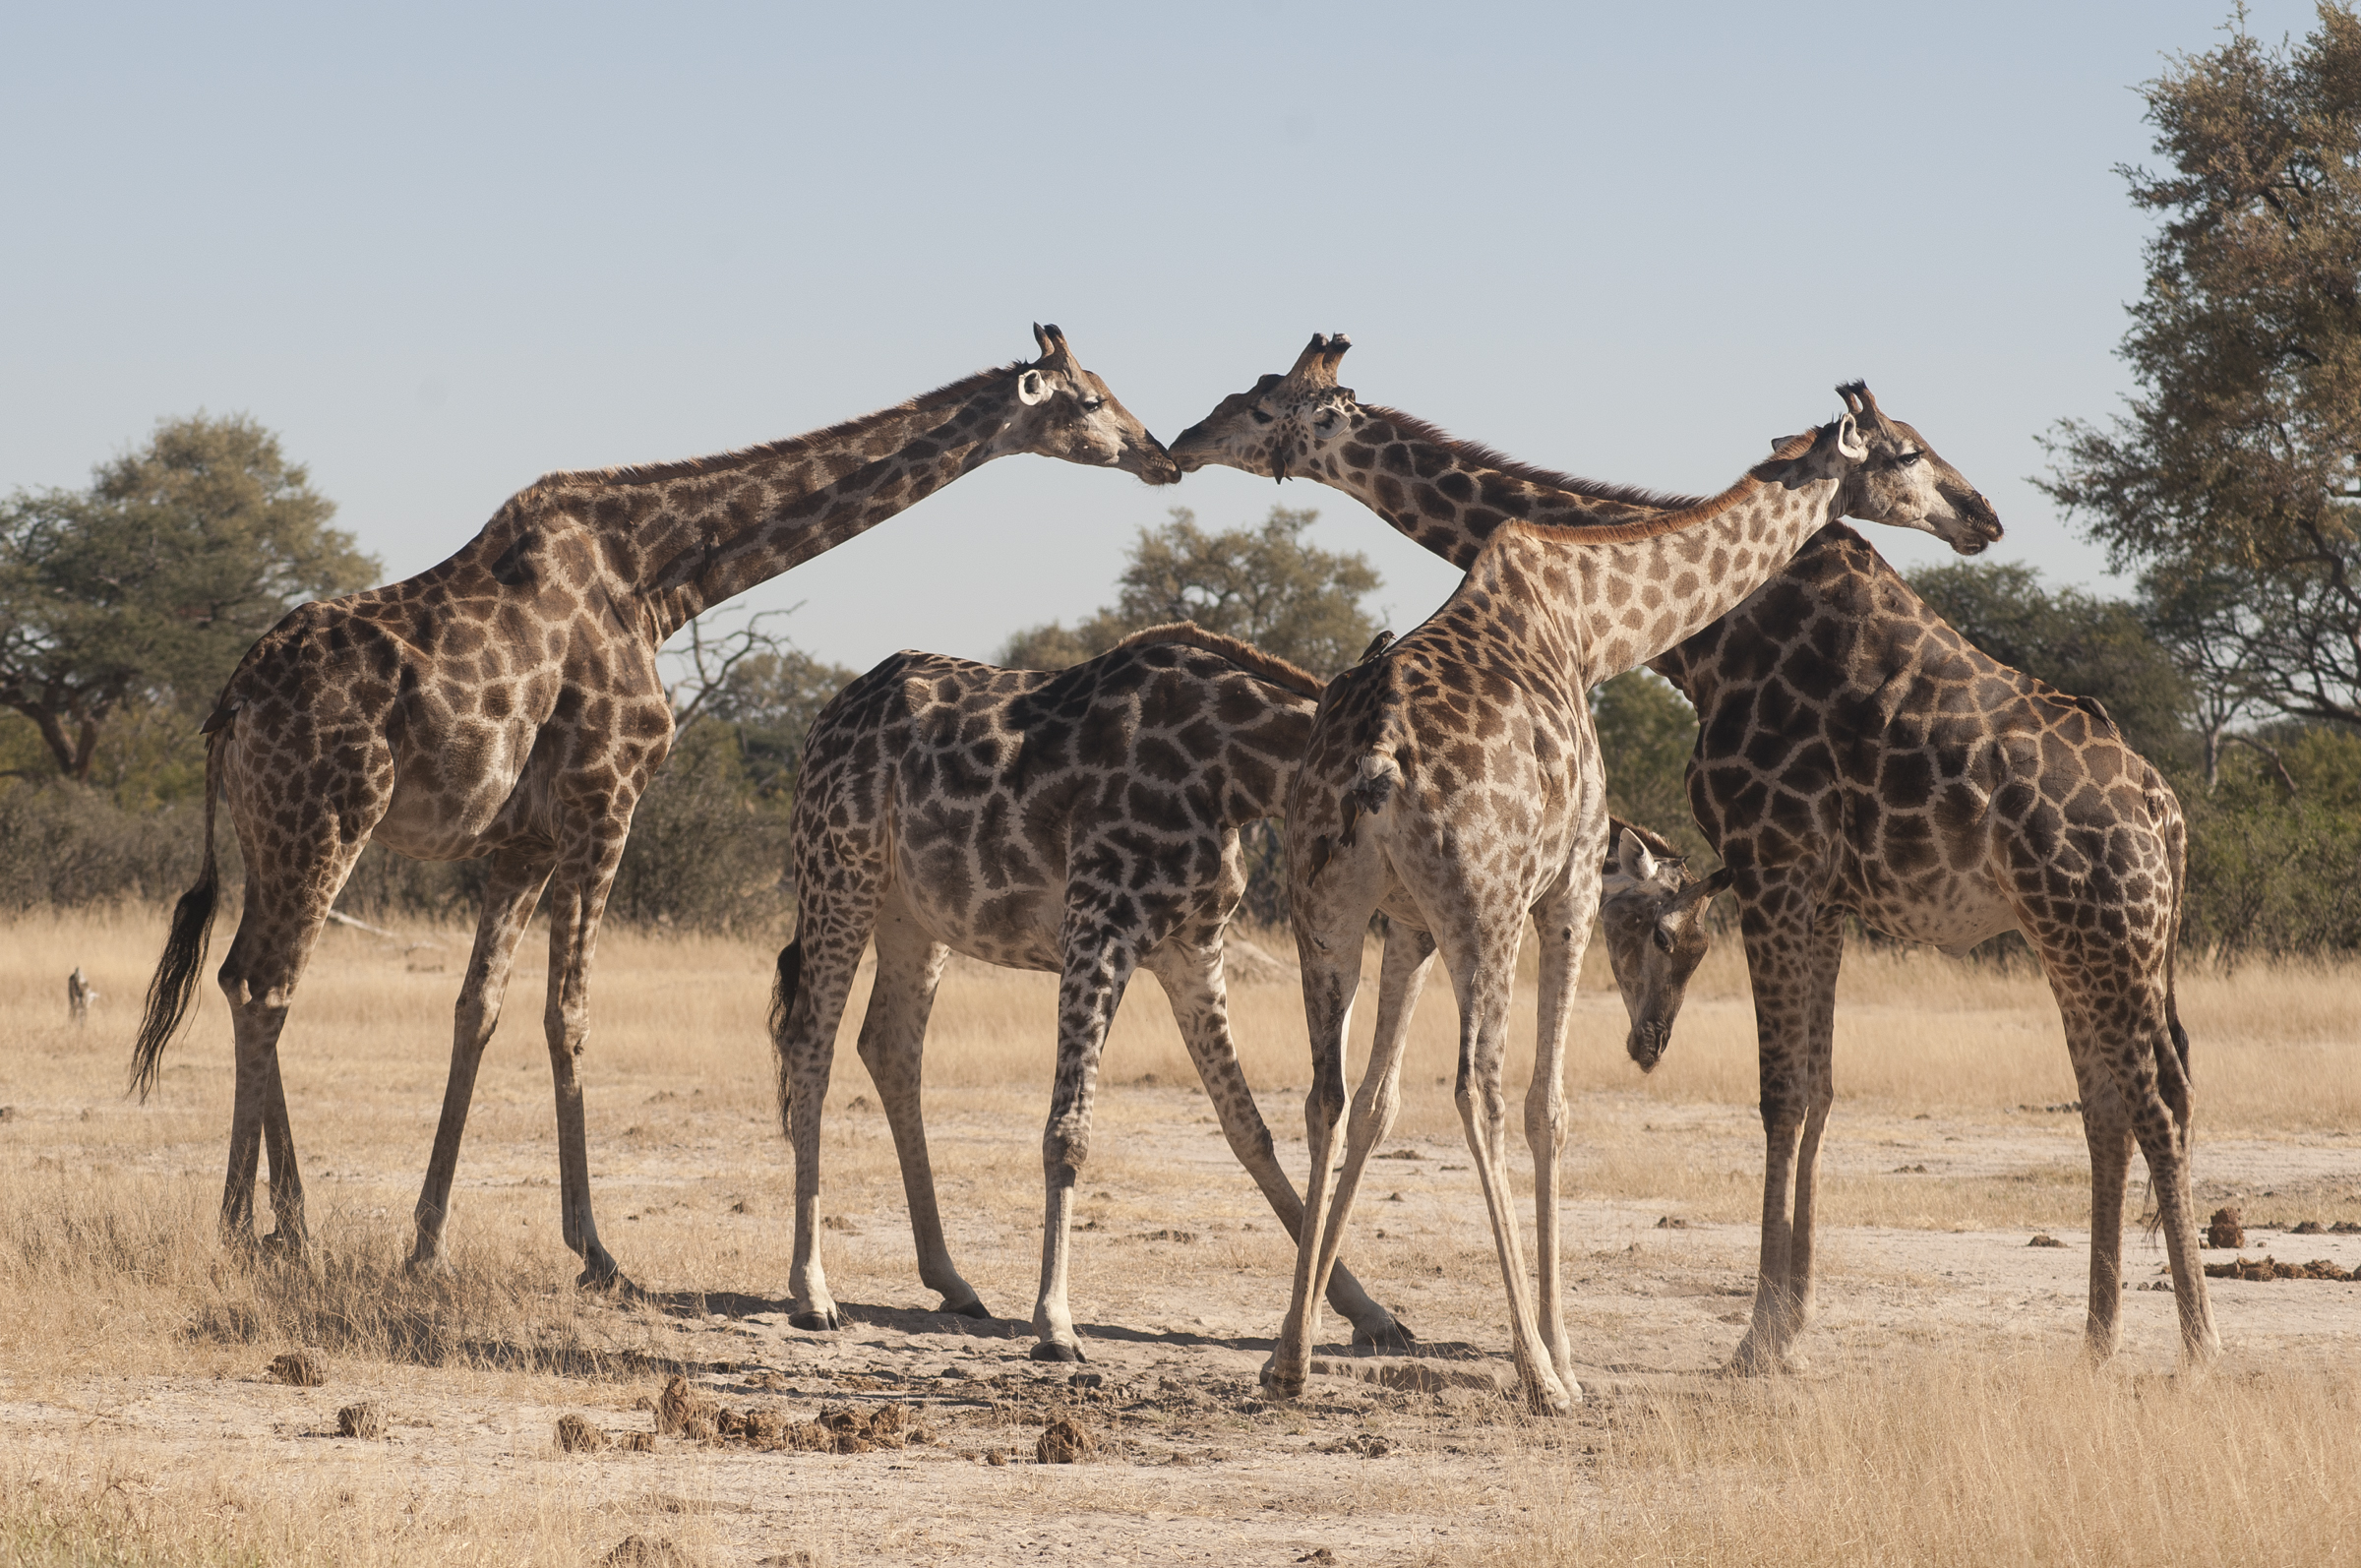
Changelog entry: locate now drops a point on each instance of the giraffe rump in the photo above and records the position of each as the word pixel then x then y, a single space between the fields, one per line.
pixel 173 986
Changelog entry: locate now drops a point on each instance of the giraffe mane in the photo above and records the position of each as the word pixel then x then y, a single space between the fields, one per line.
pixel 1246 655
pixel 1689 516
pixel 948 396
pixel 1478 455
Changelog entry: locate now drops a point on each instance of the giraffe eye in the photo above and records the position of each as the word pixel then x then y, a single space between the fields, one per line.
pixel 1910 458
pixel 1260 417
pixel 1092 402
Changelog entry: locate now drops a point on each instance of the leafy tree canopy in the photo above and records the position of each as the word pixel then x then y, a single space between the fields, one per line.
pixel 2233 476
pixel 1264 585
pixel 152 582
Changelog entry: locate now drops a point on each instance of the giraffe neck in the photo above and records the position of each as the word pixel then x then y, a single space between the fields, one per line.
pixel 1620 601
pixel 1448 496
pixel 687 536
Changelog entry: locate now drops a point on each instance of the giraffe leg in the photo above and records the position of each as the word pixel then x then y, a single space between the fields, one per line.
pixel 1825 955
pixel 893 1040
pixel 1485 987
pixel 1097 968
pixel 577 899
pixel 816 976
pixel 286 905
pixel 1563 923
pixel 1778 964
pixel 2107 1131
pixel 1330 960
pixel 1193 980
pixel 514 887
pixel 2119 1024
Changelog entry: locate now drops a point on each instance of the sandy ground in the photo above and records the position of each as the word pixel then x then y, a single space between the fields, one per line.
pixel 1180 1283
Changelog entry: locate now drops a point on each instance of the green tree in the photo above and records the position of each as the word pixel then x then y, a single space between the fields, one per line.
pixel 1647 731
pixel 1263 585
pixel 150 586
pixel 2079 643
pixel 2240 456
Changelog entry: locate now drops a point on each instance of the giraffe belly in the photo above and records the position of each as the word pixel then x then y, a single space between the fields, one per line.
pixel 1944 910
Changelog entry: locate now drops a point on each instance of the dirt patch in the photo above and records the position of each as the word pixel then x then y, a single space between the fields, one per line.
pixel 367 1420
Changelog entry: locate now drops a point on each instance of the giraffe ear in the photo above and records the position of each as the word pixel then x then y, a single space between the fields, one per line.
pixel 1848 440
pixel 1633 859
pixel 1031 387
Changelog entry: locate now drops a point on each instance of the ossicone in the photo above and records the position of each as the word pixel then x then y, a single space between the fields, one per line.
pixel 1053 349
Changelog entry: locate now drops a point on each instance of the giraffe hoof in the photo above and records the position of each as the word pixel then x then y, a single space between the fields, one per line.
pixel 1395 1336
pixel 1055 1350
pixel 972 1309
pixel 606 1280
pixel 1280 1385
pixel 819 1322
pixel 1751 1360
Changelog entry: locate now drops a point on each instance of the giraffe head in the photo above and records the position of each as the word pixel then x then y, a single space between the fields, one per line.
pixel 1904 484
pixel 1282 424
pixel 1059 410
pixel 1654 913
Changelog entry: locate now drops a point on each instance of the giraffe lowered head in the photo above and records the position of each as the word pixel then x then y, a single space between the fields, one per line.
pixel 1058 409
pixel 1904 484
pixel 1282 425
pixel 1654 913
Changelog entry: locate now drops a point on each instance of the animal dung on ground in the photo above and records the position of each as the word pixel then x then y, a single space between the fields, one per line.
pixel 2228 1228
pixel 2044 1239
pixel 685 1412
pixel 1169 1236
pixel 366 1420
pixel 1065 1441
pixel 2300 1227
pixel 839 1429
pixel 577 1436
pixel 1671 1223
pixel 2266 1268
pixel 642 1551
pixel 300 1368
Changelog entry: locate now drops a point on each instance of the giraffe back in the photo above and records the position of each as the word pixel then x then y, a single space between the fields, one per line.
pixel 1005 806
pixel 1940 794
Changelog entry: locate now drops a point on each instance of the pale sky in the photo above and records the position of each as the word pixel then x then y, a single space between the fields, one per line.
pixel 445 249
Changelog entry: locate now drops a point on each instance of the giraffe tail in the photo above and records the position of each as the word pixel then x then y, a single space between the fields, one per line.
pixel 173 986
pixel 790 980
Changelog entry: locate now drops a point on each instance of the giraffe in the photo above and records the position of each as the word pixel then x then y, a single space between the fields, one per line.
pixel 1856 754
pixel 1468 748
pixel 1883 686
pixel 505 704
pixel 1083 822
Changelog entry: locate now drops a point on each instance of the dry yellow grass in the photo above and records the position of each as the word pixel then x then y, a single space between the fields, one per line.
pixel 1960 1460
pixel 112 1280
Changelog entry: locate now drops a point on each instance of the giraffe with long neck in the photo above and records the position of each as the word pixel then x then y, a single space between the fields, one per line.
pixel 1455 783
pixel 505 704
pixel 1831 701
pixel 1082 821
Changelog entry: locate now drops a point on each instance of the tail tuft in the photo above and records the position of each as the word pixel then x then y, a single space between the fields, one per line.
pixel 1381 771
pixel 174 983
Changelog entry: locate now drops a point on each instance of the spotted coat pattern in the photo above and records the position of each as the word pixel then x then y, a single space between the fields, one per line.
pixel 1835 656
pixel 505 704
pixel 1082 821
pixel 1455 783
